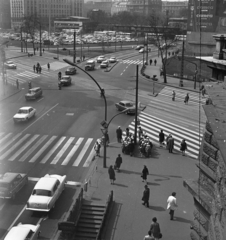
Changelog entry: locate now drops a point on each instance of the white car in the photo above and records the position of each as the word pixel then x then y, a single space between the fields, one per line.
pixel 141 50
pixel 112 60
pixel 104 64
pixel 10 64
pixel 24 114
pixel 100 59
pixel 23 232
pixel 46 192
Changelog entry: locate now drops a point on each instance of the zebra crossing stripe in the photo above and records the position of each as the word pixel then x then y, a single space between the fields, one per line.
pixel 33 159
pixel 12 158
pixel 72 152
pixel 62 151
pixel 82 153
pixel 6 136
pixel 10 141
pixel 29 152
pixel 90 158
pixel 45 159
pixel 3 156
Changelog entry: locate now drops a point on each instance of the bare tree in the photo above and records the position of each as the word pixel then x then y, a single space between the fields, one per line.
pixel 163 37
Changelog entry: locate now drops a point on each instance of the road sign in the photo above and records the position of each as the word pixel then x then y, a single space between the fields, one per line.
pixel 104 124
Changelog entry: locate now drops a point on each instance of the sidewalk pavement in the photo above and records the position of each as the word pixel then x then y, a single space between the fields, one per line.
pixel 151 70
pixel 129 219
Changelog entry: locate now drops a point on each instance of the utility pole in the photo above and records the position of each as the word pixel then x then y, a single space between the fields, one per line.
pixel 49 22
pixel 136 102
pixel 182 66
pixel 21 39
pixel 74 55
pixel 40 40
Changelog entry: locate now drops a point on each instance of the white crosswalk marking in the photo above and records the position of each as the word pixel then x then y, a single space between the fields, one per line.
pixel 45 159
pixel 129 61
pixel 82 153
pixel 72 152
pixel 63 149
pixel 25 147
pixel 30 151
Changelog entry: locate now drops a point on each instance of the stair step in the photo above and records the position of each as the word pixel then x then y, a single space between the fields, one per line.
pixel 88 225
pixel 90 216
pixel 90 221
pixel 94 208
pixel 81 235
pixel 91 212
pixel 87 230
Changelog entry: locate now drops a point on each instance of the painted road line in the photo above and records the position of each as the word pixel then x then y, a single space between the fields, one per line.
pixel 12 158
pixel 5 137
pixel 29 152
pixel 62 151
pixel 82 153
pixel 72 152
pixel 10 141
pixel 90 158
pixel 38 154
pixel 3 156
pixel 50 153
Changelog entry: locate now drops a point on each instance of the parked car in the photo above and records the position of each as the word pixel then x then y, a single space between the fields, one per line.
pixel 70 71
pixel 33 93
pixel 112 60
pixel 123 105
pixel 90 65
pixel 104 64
pixel 24 114
pixel 11 183
pixel 100 59
pixel 46 192
pixel 23 232
pixel 65 80
pixel 10 65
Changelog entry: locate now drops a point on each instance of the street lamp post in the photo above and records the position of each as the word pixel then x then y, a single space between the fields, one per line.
pixel 105 103
pixel 40 40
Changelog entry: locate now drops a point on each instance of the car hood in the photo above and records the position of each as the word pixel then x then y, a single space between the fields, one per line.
pixel 29 94
pixel 42 200
pixel 20 115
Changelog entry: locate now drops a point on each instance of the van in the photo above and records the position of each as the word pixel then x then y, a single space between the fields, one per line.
pixel 90 65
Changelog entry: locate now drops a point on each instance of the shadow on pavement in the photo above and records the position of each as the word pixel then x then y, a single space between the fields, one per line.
pixel 157 208
pixel 153 184
pixel 183 220
pixel 121 185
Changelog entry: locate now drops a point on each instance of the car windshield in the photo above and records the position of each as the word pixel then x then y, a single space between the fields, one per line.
pixel 41 192
pixel 31 91
pixel 65 77
pixel 71 69
pixel 129 104
pixel 23 111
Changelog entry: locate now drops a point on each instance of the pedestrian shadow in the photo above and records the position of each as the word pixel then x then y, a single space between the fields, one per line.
pixel 157 208
pixel 183 220
pixel 129 172
pixel 120 185
pixel 153 184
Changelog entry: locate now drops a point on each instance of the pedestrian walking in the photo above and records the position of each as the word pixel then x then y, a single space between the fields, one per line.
pixel 167 141
pixel 97 148
pixel 107 139
pixel 161 138
pixel 37 69
pixel 172 205
pixel 40 69
pixel 118 163
pixel 183 147
pixel 48 66
pixel 146 195
pixel 17 84
pixel 131 148
pixel 145 173
pixel 111 173
pixel 34 67
pixel 173 95
pixel 149 236
pixel 127 132
pixel 203 92
pixel 155 229
pixel 119 134
pixel 155 62
pixel 140 132
pixel 43 50
pixel 150 61
pixel 84 57
pixel 186 99
pixel 171 144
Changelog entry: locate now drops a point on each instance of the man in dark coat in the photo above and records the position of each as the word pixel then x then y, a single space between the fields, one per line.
pixel 146 195
pixel 171 144
pixel 118 162
pixel 111 173
pixel 155 228
pixel 119 134
pixel 161 138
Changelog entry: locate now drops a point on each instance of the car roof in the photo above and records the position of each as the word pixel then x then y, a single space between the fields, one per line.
pixel 125 101
pixel 101 56
pixel 66 76
pixel 18 233
pixel 8 177
pixel 46 183
pixel 35 88
pixel 26 108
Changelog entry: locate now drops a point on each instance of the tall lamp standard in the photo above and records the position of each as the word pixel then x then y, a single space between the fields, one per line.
pixel 105 103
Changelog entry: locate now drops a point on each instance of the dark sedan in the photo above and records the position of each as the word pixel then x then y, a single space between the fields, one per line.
pixel 65 81
pixel 70 71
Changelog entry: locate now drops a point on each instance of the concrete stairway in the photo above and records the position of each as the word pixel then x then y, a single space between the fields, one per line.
pixel 90 220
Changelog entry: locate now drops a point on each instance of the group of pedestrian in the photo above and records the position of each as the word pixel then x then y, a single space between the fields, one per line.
pixel 186 99
pixel 155 62
pixel 170 143
pixel 37 68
